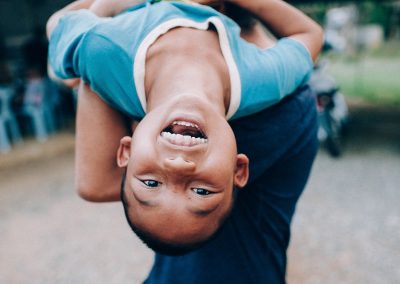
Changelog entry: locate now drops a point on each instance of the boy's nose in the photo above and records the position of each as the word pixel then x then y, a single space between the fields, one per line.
pixel 179 165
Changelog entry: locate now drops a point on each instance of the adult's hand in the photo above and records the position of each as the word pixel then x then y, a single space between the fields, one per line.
pixel 109 8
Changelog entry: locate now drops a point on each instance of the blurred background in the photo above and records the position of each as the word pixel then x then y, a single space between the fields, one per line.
pixel 347 225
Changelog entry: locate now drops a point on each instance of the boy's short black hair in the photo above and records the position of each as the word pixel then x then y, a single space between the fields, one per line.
pixel 153 243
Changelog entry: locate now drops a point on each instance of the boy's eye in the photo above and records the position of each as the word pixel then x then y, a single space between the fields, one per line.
pixel 151 183
pixel 201 191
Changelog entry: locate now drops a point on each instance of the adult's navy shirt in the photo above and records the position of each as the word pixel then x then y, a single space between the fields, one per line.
pixel 251 247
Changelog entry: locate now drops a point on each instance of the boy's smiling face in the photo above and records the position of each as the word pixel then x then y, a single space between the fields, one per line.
pixel 182 165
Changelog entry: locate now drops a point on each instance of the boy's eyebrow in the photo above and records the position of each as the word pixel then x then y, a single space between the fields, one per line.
pixel 201 212
pixel 196 211
pixel 147 203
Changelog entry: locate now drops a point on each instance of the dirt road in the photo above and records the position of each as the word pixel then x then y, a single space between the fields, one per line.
pixel 346 229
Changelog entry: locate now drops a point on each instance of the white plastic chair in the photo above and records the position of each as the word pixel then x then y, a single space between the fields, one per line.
pixel 7 121
pixel 36 108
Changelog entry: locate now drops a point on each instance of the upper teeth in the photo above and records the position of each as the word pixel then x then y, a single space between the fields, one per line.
pixel 184 123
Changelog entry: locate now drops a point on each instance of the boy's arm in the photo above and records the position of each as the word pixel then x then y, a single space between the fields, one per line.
pixel 284 20
pixel 99 129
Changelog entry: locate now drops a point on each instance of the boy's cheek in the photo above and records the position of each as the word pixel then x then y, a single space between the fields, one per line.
pixel 134 124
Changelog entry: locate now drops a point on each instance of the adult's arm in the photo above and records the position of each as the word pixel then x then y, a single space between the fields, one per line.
pixel 99 129
pixel 284 20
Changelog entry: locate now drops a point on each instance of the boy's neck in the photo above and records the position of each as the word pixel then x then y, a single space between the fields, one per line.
pixel 187 61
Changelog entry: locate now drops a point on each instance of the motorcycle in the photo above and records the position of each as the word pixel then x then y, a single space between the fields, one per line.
pixel 332 108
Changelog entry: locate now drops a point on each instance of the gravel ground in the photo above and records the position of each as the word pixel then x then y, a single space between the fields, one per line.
pixel 346 229
pixel 347 225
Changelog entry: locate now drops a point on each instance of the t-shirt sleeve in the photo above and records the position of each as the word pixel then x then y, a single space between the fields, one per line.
pixel 293 64
pixel 268 75
pixel 65 42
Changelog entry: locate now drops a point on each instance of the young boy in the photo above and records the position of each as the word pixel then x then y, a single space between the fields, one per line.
pixel 182 69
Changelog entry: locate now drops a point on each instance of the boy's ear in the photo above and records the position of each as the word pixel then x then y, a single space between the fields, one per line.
pixel 241 175
pixel 124 152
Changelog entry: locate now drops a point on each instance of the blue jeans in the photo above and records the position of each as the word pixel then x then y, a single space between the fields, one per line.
pixel 251 246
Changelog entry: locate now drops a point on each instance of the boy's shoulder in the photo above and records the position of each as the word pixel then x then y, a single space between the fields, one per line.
pixel 269 75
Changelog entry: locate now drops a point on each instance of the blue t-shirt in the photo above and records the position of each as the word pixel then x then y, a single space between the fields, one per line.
pixel 109 54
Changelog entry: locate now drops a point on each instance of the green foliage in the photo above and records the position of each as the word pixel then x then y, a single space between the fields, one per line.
pixel 372 12
pixel 316 11
pixel 371 77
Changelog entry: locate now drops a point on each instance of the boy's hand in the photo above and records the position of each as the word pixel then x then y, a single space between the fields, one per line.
pixel 109 8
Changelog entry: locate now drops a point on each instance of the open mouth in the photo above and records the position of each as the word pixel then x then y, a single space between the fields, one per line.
pixel 184 133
